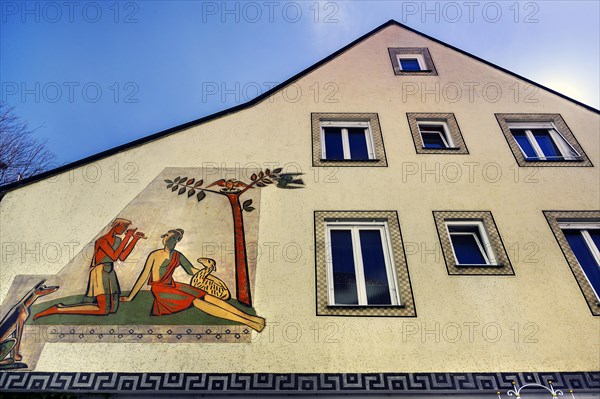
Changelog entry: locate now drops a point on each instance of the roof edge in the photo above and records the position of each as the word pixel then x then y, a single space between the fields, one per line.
pixel 155 136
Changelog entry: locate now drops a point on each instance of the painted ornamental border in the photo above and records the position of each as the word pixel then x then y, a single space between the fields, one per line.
pixel 379 383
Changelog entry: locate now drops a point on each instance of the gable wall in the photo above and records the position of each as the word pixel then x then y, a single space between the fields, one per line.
pixel 543 293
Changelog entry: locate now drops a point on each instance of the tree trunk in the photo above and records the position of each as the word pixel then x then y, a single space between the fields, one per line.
pixel 242 279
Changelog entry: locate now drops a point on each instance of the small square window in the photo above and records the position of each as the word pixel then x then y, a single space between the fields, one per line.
pixel 541 140
pixel 578 235
pixel 436 133
pixel 471 243
pixel 347 140
pixel 361 266
pixel 410 64
pixel 412 61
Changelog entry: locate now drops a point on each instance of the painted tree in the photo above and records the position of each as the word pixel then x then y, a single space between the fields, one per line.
pixel 233 190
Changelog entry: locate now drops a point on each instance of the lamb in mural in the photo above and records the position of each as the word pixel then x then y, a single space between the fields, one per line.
pixel 171 296
pixel 103 284
pixel 211 284
pixel 11 326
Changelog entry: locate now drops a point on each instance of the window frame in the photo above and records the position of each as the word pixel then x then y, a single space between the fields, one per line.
pixel 355 226
pixel 446 137
pixel 561 143
pixel 502 265
pixel 562 128
pixel 421 54
pixel 344 125
pixel 418 57
pixel 583 227
pixel 483 242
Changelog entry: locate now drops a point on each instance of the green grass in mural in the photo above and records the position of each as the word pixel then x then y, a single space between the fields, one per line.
pixel 131 313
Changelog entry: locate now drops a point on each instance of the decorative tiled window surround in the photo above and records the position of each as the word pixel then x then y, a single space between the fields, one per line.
pixel 500 263
pixel 559 127
pixel 406 308
pixel 417 121
pixel 419 53
pixel 554 219
pixel 374 129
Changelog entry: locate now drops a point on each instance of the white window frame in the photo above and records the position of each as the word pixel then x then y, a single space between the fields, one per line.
pixel 355 227
pixel 420 59
pixel 595 251
pixel 485 247
pixel 564 147
pixel 344 125
pixel 446 137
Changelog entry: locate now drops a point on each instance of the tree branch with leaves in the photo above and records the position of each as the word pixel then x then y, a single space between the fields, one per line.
pixel 233 190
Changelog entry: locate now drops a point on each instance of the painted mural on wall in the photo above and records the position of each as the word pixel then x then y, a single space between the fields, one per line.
pixel 173 266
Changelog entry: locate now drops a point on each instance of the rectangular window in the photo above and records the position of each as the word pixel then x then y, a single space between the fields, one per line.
pixel 584 240
pixel 346 141
pixel 412 61
pixel 360 269
pixel 435 135
pixel 542 142
pixel 410 64
pixel 470 243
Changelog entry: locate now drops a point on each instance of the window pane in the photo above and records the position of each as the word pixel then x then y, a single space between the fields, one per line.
pixel 376 280
pixel 344 276
pixel 333 143
pixel 584 256
pixel 524 143
pixel 544 140
pixel 358 143
pixel 410 64
pixel 595 233
pixel 433 140
pixel 466 246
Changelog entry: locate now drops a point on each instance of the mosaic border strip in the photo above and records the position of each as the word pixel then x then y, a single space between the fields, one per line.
pixel 559 122
pixel 423 51
pixel 488 383
pixel 407 309
pixel 450 119
pixel 552 218
pixel 493 235
pixel 373 118
pixel 122 333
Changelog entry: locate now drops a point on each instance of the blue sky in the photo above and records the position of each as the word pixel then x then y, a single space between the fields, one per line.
pixel 94 75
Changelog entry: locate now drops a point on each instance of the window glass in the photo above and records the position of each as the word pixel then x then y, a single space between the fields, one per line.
pixel 524 143
pixel 467 245
pixel 334 148
pixel 410 64
pixel 584 255
pixel 358 144
pixel 344 275
pixel 546 143
pixel 376 279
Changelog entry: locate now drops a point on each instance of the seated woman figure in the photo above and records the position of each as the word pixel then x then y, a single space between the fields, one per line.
pixel 171 296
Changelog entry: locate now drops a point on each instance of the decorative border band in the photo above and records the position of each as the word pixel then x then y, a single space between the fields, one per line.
pixel 295 383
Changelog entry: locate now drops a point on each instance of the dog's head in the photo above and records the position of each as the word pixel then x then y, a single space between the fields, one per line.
pixel 40 289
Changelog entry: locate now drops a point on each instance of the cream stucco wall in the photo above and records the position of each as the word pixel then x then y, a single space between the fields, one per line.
pixel 543 298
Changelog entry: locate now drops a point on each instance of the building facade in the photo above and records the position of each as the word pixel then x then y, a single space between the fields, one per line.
pixel 405 216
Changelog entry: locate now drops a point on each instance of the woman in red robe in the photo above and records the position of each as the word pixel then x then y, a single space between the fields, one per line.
pixel 171 296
